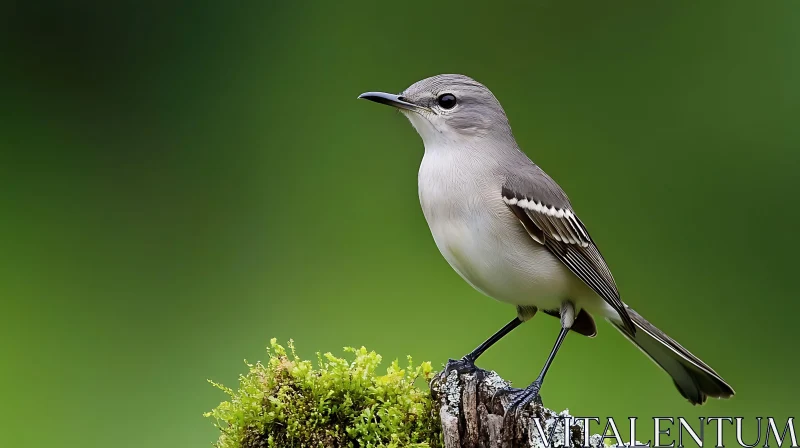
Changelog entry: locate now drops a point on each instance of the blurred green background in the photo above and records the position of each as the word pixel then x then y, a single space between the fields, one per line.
pixel 182 181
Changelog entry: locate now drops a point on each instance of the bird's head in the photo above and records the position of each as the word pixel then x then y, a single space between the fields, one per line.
pixel 447 109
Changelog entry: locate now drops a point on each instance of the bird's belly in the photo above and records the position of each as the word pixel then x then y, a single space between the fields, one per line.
pixel 484 241
pixel 504 263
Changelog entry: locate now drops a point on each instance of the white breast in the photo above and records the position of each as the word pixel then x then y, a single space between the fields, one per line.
pixel 481 238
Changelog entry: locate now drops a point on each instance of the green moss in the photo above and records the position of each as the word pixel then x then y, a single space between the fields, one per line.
pixel 288 402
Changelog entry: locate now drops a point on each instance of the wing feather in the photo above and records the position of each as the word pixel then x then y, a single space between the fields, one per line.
pixel 564 235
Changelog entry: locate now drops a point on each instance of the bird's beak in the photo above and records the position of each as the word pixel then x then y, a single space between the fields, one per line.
pixel 390 100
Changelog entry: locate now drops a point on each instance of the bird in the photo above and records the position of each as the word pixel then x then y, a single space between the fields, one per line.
pixel 509 230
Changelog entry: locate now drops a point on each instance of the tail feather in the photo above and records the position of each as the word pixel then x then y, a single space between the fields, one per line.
pixel 694 379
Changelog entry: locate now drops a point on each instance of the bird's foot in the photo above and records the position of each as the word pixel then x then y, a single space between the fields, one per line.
pixel 461 366
pixel 520 398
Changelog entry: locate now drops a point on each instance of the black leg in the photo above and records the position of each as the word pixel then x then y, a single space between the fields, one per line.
pixel 531 392
pixel 467 363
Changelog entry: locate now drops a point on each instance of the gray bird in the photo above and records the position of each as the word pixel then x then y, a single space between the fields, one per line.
pixel 510 231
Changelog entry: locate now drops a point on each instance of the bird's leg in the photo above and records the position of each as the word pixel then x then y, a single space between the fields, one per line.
pixel 467 363
pixel 531 393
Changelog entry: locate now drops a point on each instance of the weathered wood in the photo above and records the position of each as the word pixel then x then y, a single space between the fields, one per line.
pixel 472 411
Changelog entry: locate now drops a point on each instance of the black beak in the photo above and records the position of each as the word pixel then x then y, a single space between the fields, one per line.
pixel 389 100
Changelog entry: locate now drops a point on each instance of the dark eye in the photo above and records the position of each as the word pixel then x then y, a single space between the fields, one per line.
pixel 446 101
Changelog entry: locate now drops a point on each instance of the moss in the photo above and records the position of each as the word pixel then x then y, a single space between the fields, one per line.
pixel 289 402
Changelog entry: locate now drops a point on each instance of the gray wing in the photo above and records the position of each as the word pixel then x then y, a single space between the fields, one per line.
pixel 546 213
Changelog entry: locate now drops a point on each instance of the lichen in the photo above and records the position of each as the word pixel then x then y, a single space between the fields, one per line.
pixel 288 402
pixel 496 383
pixel 452 392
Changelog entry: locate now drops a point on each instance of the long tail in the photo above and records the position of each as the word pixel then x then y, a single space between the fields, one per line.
pixel 694 379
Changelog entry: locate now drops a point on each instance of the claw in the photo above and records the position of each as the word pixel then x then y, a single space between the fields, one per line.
pixel 462 366
pixel 506 391
pixel 520 399
pixel 524 397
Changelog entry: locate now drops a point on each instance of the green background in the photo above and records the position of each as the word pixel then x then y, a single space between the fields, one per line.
pixel 180 182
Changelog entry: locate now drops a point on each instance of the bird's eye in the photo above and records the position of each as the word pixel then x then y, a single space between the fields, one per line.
pixel 446 101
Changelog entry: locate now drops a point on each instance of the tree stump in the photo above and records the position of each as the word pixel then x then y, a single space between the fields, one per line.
pixel 472 414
